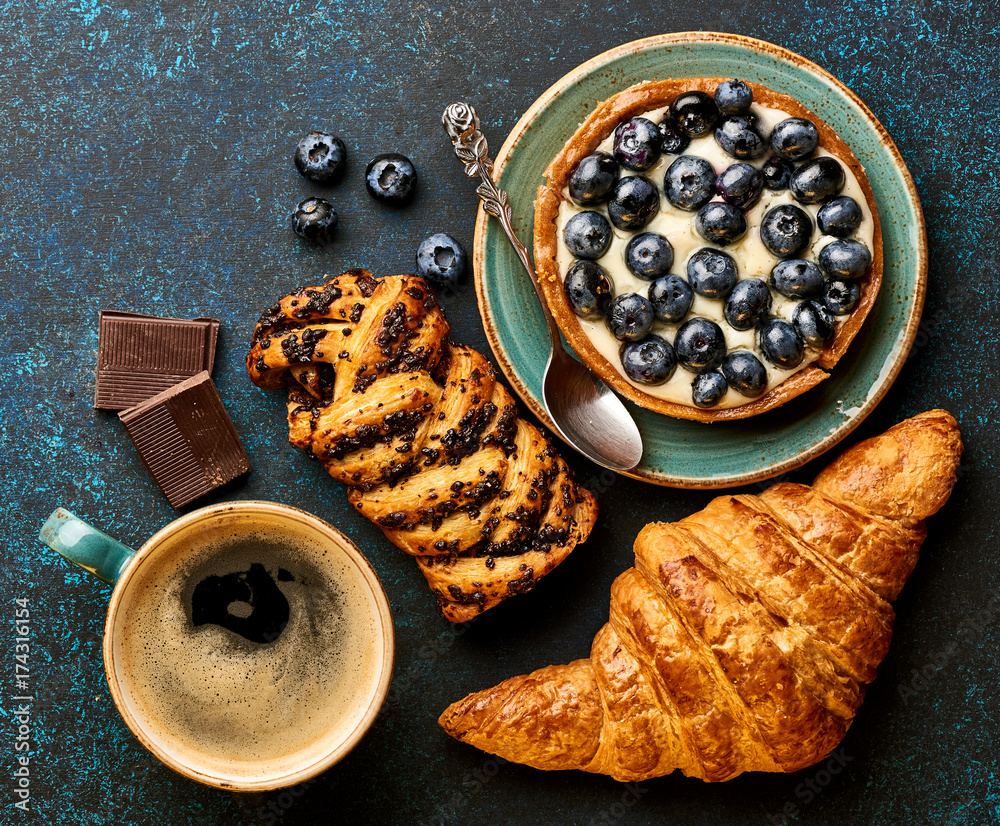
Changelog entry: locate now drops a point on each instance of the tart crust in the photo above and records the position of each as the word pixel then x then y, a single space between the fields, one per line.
pixel 602 121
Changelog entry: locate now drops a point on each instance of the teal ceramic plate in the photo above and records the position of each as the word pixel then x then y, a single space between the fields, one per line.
pixel 692 454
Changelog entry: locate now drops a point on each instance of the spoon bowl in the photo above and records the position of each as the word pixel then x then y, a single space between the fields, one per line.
pixel 586 413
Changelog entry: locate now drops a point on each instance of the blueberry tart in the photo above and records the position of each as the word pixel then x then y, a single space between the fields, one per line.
pixel 714 225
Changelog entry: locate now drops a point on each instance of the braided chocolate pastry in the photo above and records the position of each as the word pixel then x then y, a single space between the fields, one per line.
pixel 430 443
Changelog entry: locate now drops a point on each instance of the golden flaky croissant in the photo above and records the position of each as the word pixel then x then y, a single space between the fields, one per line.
pixel 743 638
pixel 429 441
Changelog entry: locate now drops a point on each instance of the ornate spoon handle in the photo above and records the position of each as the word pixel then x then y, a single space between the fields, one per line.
pixel 462 125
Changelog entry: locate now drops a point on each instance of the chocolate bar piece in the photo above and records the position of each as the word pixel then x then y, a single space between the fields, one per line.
pixel 186 439
pixel 139 356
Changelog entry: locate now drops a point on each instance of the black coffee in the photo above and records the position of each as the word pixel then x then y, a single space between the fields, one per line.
pixel 248 603
pixel 247 647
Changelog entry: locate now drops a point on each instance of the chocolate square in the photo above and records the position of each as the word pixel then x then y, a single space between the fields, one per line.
pixel 139 356
pixel 186 439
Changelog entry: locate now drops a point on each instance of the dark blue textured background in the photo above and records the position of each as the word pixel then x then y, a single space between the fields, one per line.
pixel 145 165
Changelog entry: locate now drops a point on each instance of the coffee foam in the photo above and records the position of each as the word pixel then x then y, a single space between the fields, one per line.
pixel 230 708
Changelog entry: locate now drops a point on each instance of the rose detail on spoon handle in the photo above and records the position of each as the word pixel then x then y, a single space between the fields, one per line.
pixel 462 125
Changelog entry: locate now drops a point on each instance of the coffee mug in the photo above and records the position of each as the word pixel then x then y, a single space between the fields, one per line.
pixel 248 645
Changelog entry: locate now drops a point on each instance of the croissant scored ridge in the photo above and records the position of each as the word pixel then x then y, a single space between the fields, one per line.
pixel 429 442
pixel 743 638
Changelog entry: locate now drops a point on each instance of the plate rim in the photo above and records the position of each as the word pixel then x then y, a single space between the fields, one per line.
pixel 900 348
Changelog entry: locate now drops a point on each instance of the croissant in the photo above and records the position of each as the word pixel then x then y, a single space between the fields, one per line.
pixel 430 443
pixel 744 636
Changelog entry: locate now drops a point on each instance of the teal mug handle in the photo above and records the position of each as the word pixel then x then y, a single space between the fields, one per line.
pixel 84 545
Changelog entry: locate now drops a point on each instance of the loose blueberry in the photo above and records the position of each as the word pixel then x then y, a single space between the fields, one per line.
pixel 587 235
pixel 740 185
pixel 733 97
pixel 649 361
pixel 589 290
pixel 840 297
pixel 712 273
pixel 391 179
pixel 637 144
pixel 814 323
pixel 745 373
pixel 630 317
pixel 748 304
pixel 781 344
pixel 777 173
pixel 794 139
pixel 633 203
pixel 649 256
pixel 840 217
pixel 707 389
pixel 817 180
pixel 721 224
pixel 671 297
pixel 699 345
pixel 672 142
pixel 797 278
pixel 693 113
pixel 740 137
pixel 441 259
pixel 689 183
pixel 785 230
pixel 593 179
pixel 315 220
pixel 321 157
pixel 844 259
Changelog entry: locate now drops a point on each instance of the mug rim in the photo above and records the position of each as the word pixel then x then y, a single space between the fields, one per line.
pixel 375 701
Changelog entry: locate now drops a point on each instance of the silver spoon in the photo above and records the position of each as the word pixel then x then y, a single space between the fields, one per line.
pixel 584 410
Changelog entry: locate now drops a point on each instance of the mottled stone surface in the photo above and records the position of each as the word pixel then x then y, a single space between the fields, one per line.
pixel 145 165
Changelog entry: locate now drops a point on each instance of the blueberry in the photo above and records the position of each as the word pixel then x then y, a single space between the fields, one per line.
pixel 637 144
pixel 745 373
pixel 391 178
pixel 699 345
pixel 721 224
pixel 840 297
pixel 589 290
pixel 321 157
pixel 630 317
pixel 814 323
pixel 840 217
pixel 672 142
pixel 633 203
pixel 781 344
pixel 733 97
pixel 693 113
pixel 844 259
pixel 748 304
pixel 794 139
pixel 593 179
pixel 711 273
pixel 777 173
pixel 740 185
pixel 441 259
pixel 671 297
pixel 740 137
pixel 648 361
pixel 785 230
pixel 689 182
pixel 649 256
pixel 587 235
pixel 817 180
pixel 315 220
pixel 796 278
pixel 707 389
